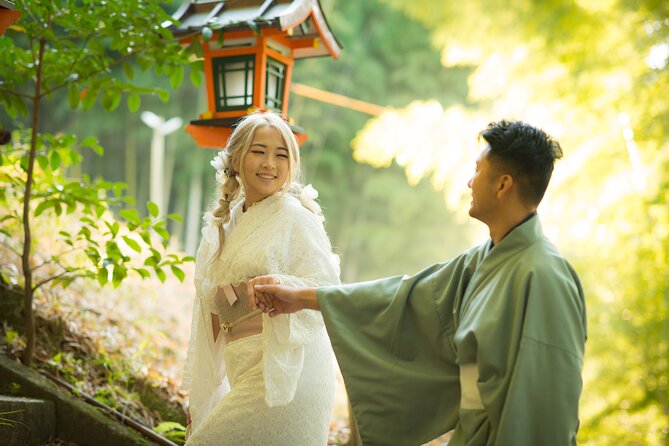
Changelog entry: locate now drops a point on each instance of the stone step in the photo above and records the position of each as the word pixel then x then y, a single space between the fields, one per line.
pixel 26 421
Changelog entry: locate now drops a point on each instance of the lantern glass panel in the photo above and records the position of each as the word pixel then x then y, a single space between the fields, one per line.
pixel 233 82
pixel 275 84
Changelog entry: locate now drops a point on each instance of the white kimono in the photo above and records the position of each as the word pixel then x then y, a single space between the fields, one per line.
pixel 276 388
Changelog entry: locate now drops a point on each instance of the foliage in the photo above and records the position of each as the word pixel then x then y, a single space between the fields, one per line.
pixel 96 360
pixel 73 45
pixel 172 431
pixel 102 239
pixel 82 42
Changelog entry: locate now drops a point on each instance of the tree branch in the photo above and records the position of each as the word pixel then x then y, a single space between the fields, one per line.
pixel 52 278
pixel 18 254
pixel 15 93
pixel 56 261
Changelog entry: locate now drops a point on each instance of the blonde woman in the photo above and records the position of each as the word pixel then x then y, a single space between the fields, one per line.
pixel 254 379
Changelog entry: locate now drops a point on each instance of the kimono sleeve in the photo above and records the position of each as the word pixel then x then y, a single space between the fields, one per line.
pixel 309 262
pixel 393 342
pixel 541 405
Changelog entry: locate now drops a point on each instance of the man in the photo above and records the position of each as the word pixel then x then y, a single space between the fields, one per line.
pixel 490 343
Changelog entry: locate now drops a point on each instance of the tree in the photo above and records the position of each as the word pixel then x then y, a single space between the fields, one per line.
pixel 75 46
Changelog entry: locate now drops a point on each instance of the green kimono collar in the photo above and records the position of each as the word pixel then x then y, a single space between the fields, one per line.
pixel 520 237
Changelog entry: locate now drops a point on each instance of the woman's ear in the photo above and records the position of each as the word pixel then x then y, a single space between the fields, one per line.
pixel 236 164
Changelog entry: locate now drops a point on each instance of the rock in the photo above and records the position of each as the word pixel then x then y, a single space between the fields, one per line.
pixel 26 421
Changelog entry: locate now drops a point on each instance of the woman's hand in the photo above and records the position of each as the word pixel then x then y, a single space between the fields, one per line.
pixel 260 280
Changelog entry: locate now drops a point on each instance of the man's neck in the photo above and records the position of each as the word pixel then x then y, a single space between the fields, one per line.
pixel 506 223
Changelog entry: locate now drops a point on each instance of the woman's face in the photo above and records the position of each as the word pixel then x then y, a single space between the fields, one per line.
pixel 265 165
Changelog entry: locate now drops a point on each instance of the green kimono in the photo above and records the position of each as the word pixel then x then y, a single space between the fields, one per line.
pixel 515 312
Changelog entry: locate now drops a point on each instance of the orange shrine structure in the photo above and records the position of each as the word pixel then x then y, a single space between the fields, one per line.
pixel 8 15
pixel 249 50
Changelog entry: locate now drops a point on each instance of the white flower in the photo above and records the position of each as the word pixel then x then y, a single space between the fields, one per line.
pixel 309 193
pixel 307 196
pixel 219 160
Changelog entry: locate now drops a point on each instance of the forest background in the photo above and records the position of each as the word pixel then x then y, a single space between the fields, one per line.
pixel 594 73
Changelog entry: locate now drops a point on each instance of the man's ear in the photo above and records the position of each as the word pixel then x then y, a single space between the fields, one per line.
pixel 504 185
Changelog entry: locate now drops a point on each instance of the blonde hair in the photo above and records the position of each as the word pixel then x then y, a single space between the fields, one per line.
pixel 234 153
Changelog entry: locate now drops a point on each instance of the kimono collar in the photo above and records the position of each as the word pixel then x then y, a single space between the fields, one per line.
pixel 524 233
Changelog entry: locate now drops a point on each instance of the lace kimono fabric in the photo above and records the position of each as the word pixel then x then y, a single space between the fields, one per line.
pixel 275 388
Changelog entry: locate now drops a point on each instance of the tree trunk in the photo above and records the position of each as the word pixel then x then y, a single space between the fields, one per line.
pixel 27 240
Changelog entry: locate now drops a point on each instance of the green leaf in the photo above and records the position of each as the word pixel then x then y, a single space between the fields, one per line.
pixel 131 216
pixel 55 160
pixel 89 142
pixel 177 76
pixel 161 274
pixel 114 252
pixel 132 243
pixel 42 207
pixel 134 102
pixel 73 95
pixel 195 78
pixel 164 95
pixel 90 96
pixel 196 47
pixel 25 160
pixel 143 272
pixel 103 276
pixel 162 233
pixel 43 161
pixel 153 208
pixel 120 272
pixel 111 100
pixel 175 217
pixel 127 69
pixel 92 142
pixel 178 272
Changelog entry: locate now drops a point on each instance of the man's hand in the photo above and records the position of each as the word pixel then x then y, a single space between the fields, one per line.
pixel 260 280
pixel 280 299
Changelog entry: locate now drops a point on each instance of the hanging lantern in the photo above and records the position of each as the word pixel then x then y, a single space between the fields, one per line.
pixel 249 48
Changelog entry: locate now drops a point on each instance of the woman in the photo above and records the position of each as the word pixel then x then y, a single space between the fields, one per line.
pixel 255 379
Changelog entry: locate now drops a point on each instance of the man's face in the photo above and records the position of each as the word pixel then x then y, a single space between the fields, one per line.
pixel 484 188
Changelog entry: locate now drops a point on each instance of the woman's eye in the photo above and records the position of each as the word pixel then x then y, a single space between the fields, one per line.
pixel 281 155
pixel 258 152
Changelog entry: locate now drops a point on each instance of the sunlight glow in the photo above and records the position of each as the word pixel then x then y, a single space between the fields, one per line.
pixel 455 54
pixel 637 175
pixel 658 56
pixel 426 140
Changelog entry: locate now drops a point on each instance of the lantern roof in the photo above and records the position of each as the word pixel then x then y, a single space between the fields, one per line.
pixel 298 19
pixel 7 4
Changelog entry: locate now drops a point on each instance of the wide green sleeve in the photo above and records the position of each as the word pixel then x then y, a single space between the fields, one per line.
pixel 541 406
pixel 393 342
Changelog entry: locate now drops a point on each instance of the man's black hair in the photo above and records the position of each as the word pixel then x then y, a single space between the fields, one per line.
pixel 526 153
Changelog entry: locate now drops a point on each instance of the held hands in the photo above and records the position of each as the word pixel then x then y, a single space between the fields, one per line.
pixel 267 293
pixel 252 294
